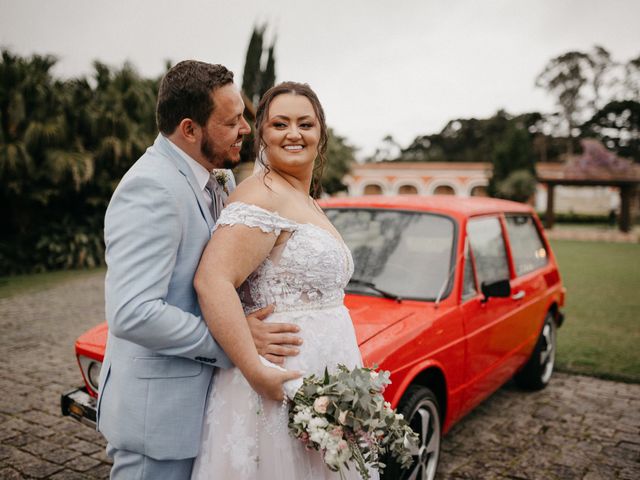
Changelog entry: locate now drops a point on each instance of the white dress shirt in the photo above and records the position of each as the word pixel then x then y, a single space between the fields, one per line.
pixel 201 173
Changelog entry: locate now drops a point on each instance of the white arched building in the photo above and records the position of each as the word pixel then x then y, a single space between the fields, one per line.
pixel 391 178
pixel 468 179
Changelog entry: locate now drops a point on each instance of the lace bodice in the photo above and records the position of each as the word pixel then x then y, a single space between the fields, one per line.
pixel 309 271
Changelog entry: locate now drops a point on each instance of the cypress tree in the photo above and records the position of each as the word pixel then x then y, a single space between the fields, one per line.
pixel 269 73
pixel 256 80
pixel 251 78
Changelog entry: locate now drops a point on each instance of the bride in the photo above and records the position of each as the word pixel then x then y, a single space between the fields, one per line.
pixel 273 245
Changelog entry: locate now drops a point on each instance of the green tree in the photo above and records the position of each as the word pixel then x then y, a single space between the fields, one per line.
pixel 340 155
pixel 41 162
pixel 252 74
pixel 632 79
pixel 256 80
pixel 513 162
pixel 565 77
pixel 461 140
pixel 617 125
pixel 122 124
pixel 64 145
pixel 388 151
pixel 519 186
pixel 268 77
pixel 601 65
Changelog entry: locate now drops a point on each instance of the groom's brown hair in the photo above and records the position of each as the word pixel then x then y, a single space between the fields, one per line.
pixel 185 92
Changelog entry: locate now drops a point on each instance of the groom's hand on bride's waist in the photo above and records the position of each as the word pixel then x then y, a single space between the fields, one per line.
pixel 274 341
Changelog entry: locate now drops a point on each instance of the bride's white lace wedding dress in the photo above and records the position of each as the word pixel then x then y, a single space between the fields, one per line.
pixel 246 437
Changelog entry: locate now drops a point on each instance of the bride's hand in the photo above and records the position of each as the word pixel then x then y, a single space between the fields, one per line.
pixel 268 381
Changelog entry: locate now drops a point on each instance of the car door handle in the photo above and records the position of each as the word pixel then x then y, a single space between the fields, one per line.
pixel 518 296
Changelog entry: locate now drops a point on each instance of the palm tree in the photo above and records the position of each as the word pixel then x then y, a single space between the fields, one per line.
pixel 123 116
pixel 64 145
pixel 41 155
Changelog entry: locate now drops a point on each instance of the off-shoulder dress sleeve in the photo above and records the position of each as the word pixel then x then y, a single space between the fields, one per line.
pixel 239 213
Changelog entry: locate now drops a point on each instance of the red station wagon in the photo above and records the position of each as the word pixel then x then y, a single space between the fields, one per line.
pixel 454 296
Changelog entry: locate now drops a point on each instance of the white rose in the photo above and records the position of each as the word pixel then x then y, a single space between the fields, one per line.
pixel 373 374
pixel 317 423
pixel 304 416
pixel 331 458
pixel 320 437
pixel 320 404
pixel 343 452
pixel 337 452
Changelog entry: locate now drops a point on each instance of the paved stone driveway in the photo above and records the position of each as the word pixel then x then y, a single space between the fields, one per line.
pixel 578 428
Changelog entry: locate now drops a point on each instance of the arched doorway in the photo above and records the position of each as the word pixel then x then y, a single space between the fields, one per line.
pixel 444 190
pixel 407 190
pixel 372 189
pixel 479 191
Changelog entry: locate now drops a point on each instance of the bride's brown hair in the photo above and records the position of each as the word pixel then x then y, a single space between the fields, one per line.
pixel 294 88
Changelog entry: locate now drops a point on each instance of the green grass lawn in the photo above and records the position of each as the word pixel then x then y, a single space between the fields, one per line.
pixel 15 285
pixel 601 333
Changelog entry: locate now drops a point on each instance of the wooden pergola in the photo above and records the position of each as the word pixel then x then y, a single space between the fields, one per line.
pixel 626 186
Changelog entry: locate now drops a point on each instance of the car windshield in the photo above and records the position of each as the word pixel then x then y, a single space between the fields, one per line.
pixel 397 253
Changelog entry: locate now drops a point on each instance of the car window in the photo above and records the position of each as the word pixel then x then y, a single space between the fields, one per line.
pixel 404 253
pixel 527 248
pixel 487 244
pixel 469 288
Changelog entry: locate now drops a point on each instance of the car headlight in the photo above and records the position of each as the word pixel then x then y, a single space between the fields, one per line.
pixel 94 374
pixel 90 371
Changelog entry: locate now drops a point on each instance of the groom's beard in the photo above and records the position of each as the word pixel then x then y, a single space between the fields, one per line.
pixel 219 161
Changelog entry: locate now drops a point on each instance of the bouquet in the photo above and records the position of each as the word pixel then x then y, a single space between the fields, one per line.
pixel 345 416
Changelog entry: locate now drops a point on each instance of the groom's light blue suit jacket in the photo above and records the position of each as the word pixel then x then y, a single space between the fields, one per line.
pixel 160 355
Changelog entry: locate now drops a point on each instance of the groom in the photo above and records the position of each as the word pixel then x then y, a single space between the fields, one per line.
pixel 160 356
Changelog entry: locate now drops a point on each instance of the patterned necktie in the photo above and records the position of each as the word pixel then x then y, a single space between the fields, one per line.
pixel 215 191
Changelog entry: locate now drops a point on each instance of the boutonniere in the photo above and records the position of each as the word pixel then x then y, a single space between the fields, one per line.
pixel 222 178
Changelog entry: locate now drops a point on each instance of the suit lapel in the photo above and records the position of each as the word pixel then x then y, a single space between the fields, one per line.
pixel 161 144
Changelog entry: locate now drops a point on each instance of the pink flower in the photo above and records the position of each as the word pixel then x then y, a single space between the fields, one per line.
pixel 320 404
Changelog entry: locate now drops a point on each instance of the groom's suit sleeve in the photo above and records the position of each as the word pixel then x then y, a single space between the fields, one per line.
pixel 143 232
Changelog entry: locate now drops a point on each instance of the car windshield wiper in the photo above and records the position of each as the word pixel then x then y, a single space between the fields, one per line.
pixel 372 286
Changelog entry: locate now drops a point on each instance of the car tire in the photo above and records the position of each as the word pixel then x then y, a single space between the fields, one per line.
pixel 420 407
pixel 536 373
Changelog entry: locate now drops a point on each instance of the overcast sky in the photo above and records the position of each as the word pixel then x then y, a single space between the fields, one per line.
pixel 379 67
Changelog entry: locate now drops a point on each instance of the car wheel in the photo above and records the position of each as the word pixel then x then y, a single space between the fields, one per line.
pixel 536 373
pixel 420 407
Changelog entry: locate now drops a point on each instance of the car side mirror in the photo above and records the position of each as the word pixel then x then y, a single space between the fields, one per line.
pixel 500 288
